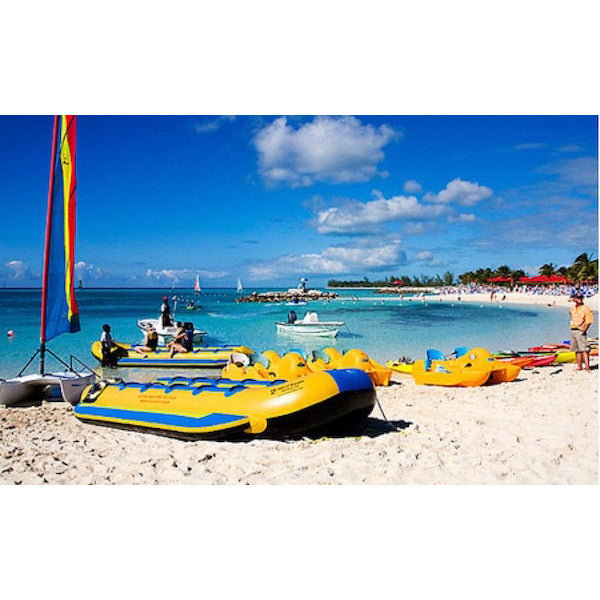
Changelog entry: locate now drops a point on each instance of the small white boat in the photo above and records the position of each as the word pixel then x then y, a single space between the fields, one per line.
pixel 299 303
pixel 67 385
pixel 239 288
pixel 166 334
pixel 310 325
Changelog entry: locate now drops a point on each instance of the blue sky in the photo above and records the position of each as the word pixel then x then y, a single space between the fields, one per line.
pixel 273 198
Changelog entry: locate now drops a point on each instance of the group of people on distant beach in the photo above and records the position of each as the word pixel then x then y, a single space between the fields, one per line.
pixel 585 290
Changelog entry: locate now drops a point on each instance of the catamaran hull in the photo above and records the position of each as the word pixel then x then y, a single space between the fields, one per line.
pixel 35 387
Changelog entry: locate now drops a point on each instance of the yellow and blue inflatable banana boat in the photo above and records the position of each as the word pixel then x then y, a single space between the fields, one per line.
pixel 204 356
pixel 221 408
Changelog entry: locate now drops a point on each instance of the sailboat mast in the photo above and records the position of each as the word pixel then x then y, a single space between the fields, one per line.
pixel 47 248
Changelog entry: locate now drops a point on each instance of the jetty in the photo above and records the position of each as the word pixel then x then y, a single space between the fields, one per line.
pixel 289 296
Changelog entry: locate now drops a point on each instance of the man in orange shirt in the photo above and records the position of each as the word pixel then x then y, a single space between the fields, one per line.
pixel 581 319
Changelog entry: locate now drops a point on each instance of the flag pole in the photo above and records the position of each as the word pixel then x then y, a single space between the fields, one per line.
pixel 47 247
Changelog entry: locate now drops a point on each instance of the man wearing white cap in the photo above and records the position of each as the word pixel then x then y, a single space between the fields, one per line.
pixel 581 319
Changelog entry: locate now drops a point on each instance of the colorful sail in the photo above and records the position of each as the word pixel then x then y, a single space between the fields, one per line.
pixel 60 313
pixel 197 287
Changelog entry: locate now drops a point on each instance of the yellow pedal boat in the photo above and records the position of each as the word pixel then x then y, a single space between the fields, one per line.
pixel 293 365
pixel 331 358
pixel 220 408
pixel 474 368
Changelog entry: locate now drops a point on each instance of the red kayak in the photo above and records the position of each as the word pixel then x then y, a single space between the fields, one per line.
pixel 542 361
pixel 547 347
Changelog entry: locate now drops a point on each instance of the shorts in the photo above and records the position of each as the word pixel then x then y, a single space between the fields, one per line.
pixel 579 341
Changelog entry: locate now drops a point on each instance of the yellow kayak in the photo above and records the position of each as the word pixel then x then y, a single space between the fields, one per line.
pixel 400 367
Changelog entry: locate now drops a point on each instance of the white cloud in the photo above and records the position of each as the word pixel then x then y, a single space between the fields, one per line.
pixel 412 187
pixel 18 270
pixel 426 256
pixel 530 146
pixel 178 275
pixel 423 255
pixel 571 148
pixel 582 171
pixel 84 270
pixel 326 149
pixel 414 228
pixel 364 217
pixel 212 124
pixel 464 193
pixel 334 260
pixel 462 218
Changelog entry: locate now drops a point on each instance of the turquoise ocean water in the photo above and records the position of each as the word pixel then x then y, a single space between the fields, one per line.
pixel 381 327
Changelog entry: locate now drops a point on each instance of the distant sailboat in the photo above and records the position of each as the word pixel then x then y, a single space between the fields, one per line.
pixel 240 287
pixel 197 288
pixel 60 313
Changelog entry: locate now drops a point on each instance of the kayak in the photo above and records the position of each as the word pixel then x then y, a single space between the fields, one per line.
pixel 400 367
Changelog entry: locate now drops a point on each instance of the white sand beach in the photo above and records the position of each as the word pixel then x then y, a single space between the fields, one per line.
pixel 540 429
pixel 512 298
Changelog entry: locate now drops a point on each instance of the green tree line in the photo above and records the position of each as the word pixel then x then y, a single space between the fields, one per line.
pixel 584 268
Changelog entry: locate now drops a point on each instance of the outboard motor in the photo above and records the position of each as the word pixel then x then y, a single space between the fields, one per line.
pixel 292 317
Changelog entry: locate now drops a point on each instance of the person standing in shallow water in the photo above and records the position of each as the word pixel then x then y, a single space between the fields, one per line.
pixel 581 319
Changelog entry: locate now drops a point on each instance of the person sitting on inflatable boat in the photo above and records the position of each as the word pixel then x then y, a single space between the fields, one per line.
pixel 184 339
pixel 107 343
pixel 150 342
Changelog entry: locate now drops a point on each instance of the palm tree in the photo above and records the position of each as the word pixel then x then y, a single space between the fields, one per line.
pixel 503 271
pixel 584 268
pixel 516 275
pixel 547 270
pixel 562 271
